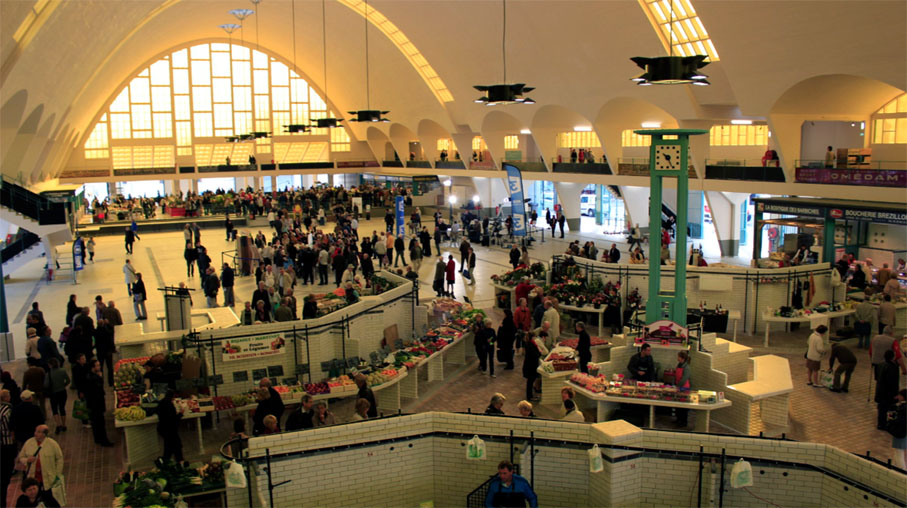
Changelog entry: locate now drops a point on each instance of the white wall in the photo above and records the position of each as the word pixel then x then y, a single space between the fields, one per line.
pixel 818 136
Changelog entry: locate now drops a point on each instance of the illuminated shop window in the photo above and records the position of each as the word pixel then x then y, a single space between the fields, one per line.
pixel 676 21
pixel 889 124
pixel 511 143
pixel 738 135
pixel 628 138
pixel 584 139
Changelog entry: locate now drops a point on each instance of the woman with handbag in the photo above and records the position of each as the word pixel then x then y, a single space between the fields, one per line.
pixel 506 338
pixel 139 296
pixel 42 460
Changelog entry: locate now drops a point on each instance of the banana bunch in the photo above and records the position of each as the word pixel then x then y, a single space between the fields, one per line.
pixel 129 414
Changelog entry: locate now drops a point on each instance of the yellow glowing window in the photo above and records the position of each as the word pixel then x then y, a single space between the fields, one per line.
pixel 280 97
pixel 220 65
pixel 676 21
pixel 163 125
pixel 121 157
pixel 262 106
pixel 120 126
pixel 221 90
pixel 478 143
pixel 160 98
pixel 223 117
pixel 511 143
pixel 584 139
pixel 201 98
pixel 340 140
pixel 444 144
pixel 406 47
pixel 183 151
pixel 281 118
pixel 242 98
pixel 201 72
pixel 183 133
pixel 180 81
pixel 738 135
pixel 121 103
pixel 203 127
pixel 139 91
pixel 183 109
pixel 259 60
pixel 242 122
pixel 299 90
pixel 97 154
pixel 628 138
pixel 180 58
pixel 160 72
pixel 163 156
pixel 203 154
pixel 889 125
pixel 98 136
pixel 242 75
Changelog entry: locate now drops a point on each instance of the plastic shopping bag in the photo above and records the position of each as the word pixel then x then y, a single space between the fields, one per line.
pixel 741 474
pixel 596 464
pixel 475 449
pixel 235 476
pixel 827 379
pixel 58 490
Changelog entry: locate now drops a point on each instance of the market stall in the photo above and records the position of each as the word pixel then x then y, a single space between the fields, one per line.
pixel 505 284
pixel 562 361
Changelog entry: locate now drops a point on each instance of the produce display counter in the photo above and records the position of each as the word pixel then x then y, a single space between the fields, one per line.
pixel 769 392
pixel 132 340
pixel 141 438
pixel 501 289
pixel 455 352
pixel 607 405
pixel 815 319
pixel 552 382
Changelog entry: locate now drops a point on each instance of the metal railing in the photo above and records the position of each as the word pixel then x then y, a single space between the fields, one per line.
pixel 16 247
pixel 725 169
pixel 743 162
pixel 597 168
pixel 858 165
pixel 31 205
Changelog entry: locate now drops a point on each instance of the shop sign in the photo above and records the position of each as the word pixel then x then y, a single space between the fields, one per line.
pixel 873 177
pixel 836 213
pixel 245 348
pixel 887 216
pixel 790 209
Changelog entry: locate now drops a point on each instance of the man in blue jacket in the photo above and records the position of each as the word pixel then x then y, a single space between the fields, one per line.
pixel 509 490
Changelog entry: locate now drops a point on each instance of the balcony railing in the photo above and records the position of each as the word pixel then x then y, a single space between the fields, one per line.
pixel 20 244
pixel 36 207
pixel 144 171
pixel 454 164
pixel 530 167
pixel 744 169
pixel 418 164
pixel 640 167
pixel 392 164
pixel 869 174
pixel 594 168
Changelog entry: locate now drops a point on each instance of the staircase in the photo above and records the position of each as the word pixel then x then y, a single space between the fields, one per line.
pixel 18 253
pixel 35 213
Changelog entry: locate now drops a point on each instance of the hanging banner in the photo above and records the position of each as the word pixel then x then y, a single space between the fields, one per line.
pixel 517 204
pixel 401 216
pixel 244 348
pixel 77 256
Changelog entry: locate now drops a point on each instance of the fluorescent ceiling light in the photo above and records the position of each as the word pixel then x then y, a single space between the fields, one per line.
pixel 651 125
pixel 525 131
pixel 582 128
pixel 742 122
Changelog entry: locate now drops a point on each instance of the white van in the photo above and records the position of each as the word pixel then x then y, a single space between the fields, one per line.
pixel 587 205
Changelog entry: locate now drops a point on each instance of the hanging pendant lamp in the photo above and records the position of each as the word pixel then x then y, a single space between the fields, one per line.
pixel 671 70
pixel 368 114
pixel 504 93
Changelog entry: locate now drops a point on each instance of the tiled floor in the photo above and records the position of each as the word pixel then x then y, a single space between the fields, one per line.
pixel 843 420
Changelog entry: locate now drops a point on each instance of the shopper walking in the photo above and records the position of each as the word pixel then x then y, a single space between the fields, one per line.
pixel 470 272
pixel 451 275
pixel 847 363
pixel 105 347
pixel 399 245
pixel 129 273
pixel 509 489
pixel 506 338
pixel 227 280
pixel 129 239
pixel 42 460
pixel 583 347
pixel 190 254
pixel 484 345
pixel 138 298
pixel 886 388
pixel 58 381
pixel 561 219
pixel 211 286
pixel 7 445
pixel 815 350
pixel 93 389
pixel 864 315
pixel 25 417
pixel 168 428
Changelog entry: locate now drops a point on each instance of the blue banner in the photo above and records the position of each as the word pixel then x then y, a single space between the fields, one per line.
pixel 401 216
pixel 77 256
pixel 517 205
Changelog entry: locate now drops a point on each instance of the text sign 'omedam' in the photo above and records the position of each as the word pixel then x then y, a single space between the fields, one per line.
pixel 245 348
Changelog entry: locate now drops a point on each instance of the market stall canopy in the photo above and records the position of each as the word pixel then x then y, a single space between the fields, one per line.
pixel 887 213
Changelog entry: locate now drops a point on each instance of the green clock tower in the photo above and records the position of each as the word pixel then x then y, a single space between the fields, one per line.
pixel 668 157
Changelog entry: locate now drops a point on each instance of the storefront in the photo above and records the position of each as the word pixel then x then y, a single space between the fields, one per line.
pixel 838 226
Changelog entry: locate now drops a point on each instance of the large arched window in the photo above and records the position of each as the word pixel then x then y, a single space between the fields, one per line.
pixel 889 124
pixel 188 103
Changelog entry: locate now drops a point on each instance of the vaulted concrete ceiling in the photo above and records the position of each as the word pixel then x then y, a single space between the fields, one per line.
pixel 69 58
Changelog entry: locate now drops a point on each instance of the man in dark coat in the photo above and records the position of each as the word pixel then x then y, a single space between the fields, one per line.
pixel 25 417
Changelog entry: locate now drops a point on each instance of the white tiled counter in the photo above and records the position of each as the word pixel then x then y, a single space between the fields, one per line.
pixel 766 396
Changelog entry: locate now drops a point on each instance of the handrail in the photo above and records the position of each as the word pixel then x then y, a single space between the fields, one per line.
pixel 18 246
pixel 855 166
pixel 29 204
pixel 743 162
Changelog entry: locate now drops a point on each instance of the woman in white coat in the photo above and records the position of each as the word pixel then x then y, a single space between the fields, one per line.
pixel 43 451
pixel 814 353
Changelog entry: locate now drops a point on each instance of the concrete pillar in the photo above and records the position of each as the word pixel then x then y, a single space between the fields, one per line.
pixel 568 196
pixel 725 218
pixel 193 184
pixel 308 181
pixel 636 204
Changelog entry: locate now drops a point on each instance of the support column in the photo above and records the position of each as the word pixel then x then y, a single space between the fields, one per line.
pixel 599 194
pixel 568 196
pixel 725 217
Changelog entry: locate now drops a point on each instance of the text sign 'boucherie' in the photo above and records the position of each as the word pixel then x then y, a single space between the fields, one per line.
pixel 244 348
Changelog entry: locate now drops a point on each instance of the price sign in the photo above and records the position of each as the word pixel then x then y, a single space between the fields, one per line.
pixel 217 379
pixel 373 356
pixel 259 374
pixel 398 344
pixel 275 371
pixel 302 368
pixel 184 384
pixel 241 376
pixel 352 361
pixel 289 381
pixel 326 366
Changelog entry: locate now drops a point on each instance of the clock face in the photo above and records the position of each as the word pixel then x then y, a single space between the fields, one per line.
pixel 667 157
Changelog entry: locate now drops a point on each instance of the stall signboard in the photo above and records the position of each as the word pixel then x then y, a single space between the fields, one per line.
pixel 666 332
pixel 887 216
pixel 873 177
pixel 77 255
pixel 805 211
pixel 245 348
pixel 400 205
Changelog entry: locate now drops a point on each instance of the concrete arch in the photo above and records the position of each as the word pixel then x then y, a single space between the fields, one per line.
pixel 430 132
pixel 400 135
pixel 11 114
pixel 25 135
pixel 548 122
pixel 832 97
pixel 495 126
pixel 621 113
pixel 376 139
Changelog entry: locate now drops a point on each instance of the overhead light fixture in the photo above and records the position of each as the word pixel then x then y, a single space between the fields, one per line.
pixel 448 182
pixel 296 128
pixel 452 199
pixel 504 93
pixel 321 123
pixel 651 125
pixel 476 199
pixel 582 128
pixel 368 114
pixel 671 70
pixel 248 137
pixel 525 131
pixel 741 122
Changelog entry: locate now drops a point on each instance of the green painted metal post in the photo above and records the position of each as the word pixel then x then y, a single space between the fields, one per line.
pixel 4 319
pixel 828 241
pixel 599 193
pixel 757 234
pixel 668 158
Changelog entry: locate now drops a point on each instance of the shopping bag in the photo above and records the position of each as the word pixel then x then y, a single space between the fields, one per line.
pixel 827 379
pixel 596 464
pixel 58 490
pixel 235 476
pixel 466 274
pixel 741 474
pixel 475 449
pixel 80 410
